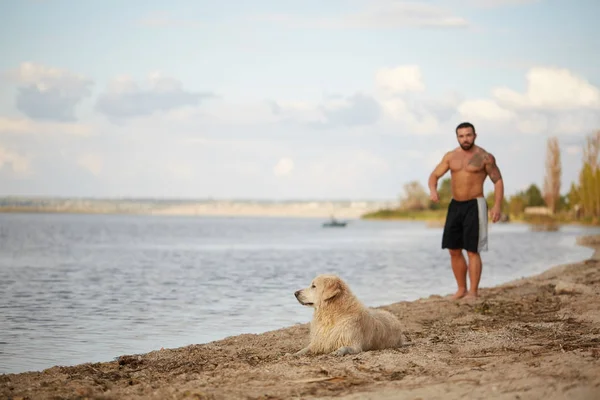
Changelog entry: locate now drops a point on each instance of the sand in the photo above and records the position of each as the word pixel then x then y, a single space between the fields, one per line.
pixel 534 338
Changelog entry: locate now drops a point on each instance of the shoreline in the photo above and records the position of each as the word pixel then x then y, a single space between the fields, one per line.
pixel 296 208
pixel 533 337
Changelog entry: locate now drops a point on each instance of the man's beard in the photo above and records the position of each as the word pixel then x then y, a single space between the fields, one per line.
pixel 466 146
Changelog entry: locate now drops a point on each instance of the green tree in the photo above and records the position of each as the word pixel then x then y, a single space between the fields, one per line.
pixel 533 196
pixel 563 203
pixel 573 196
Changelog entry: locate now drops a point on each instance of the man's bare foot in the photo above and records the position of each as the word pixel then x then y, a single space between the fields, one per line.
pixel 458 295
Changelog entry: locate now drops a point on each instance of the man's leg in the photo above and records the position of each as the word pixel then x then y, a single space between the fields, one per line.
pixel 475 266
pixel 459 268
pixel 452 240
pixel 475 239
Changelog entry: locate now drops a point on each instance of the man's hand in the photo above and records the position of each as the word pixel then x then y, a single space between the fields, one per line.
pixel 496 213
pixel 437 173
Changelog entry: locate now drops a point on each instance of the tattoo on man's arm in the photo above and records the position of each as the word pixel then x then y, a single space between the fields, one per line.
pixel 492 170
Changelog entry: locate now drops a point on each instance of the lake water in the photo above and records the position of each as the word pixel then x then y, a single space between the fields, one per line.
pixel 83 288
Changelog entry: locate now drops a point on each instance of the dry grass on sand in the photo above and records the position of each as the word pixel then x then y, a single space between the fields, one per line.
pixel 535 338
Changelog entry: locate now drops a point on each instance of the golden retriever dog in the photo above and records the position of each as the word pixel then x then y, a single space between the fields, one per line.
pixel 341 324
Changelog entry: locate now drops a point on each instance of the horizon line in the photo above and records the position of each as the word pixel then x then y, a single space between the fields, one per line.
pixel 206 198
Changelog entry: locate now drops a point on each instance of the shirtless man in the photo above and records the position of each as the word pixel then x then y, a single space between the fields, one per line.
pixel 466 221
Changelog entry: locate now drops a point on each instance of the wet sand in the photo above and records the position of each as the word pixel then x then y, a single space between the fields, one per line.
pixel 533 338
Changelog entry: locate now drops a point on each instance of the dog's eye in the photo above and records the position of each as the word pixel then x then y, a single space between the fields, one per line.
pixel 313 286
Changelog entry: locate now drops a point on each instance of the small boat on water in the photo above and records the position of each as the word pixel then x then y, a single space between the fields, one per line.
pixel 334 223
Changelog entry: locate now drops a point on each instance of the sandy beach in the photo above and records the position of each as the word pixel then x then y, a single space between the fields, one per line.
pixel 533 338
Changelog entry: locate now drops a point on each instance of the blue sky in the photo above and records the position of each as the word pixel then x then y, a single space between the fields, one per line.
pixel 287 99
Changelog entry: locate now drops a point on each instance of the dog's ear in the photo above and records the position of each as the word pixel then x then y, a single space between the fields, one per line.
pixel 333 288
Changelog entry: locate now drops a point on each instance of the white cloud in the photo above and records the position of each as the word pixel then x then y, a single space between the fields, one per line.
pixel 356 110
pixel 550 89
pixel 352 111
pixel 394 105
pixel 555 102
pixel 394 108
pixel 400 115
pixel 49 93
pixel 125 98
pixel 283 167
pixel 17 163
pixel 45 78
pixel 363 109
pixel 483 109
pixel 404 78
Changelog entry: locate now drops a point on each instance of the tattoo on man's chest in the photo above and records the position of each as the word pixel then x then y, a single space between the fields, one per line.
pixel 476 160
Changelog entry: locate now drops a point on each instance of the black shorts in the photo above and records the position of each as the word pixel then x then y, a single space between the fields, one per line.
pixel 466 226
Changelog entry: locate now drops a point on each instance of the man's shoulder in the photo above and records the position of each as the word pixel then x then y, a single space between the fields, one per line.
pixel 452 152
pixel 487 156
pixel 484 152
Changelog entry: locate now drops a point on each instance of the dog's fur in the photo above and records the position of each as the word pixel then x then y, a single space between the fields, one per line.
pixel 341 324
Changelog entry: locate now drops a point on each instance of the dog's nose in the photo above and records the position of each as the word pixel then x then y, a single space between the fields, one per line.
pixel 297 293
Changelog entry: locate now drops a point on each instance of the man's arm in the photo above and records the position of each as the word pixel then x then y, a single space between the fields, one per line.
pixel 437 173
pixel 496 177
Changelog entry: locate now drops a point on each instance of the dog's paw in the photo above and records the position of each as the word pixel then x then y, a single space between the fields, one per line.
pixel 302 352
pixel 342 351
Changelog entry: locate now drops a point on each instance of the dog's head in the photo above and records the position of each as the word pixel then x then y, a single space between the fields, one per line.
pixel 324 288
